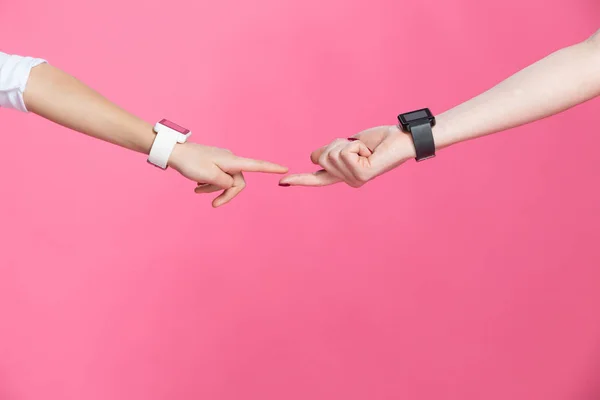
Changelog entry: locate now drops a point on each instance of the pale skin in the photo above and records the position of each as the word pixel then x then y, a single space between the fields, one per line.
pixel 562 80
pixel 556 83
pixel 59 97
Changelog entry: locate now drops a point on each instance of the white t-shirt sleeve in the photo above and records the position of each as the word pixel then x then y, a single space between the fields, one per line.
pixel 14 73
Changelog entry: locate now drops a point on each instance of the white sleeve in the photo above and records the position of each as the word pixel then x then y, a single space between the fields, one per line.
pixel 14 73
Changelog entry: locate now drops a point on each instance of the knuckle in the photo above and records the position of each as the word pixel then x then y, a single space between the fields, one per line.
pixel 323 159
pixel 345 153
pixel 361 176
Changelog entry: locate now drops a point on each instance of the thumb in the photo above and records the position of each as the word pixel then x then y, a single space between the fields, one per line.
pixel 385 157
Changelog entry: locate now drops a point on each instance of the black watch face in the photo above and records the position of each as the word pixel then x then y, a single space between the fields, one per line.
pixel 418 115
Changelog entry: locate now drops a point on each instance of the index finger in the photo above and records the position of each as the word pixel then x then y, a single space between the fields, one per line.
pixel 319 178
pixel 250 165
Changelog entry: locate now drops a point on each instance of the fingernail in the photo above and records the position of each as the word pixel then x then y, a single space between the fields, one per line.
pixel 284 184
pixel 352 139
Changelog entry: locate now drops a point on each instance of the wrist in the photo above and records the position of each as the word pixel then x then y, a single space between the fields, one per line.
pixel 442 136
pixel 442 132
pixel 176 155
pixel 407 146
pixel 145 139
pixel 167 143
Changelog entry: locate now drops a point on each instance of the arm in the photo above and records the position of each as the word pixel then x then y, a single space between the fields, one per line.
pixel 61 98
pixel 33 85
pixel 562 80
pixel 556 83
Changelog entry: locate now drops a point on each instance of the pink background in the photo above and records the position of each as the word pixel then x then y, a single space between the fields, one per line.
pixel 474 276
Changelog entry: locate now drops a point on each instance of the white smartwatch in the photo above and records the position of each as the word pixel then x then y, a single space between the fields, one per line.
pixel 168 134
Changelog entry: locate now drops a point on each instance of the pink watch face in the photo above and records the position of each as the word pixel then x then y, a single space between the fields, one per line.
pixel 174 126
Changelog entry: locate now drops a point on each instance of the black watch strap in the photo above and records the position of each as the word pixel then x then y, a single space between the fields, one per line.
pixel 422 136
pixel 419 124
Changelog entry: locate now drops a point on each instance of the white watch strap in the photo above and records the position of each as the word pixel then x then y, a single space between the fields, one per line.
pixel 163 146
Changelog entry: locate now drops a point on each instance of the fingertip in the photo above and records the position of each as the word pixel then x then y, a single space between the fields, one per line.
pixel 273 167
pixel 287 180
pixel 314 156
pixel 270 170
pixel 217 203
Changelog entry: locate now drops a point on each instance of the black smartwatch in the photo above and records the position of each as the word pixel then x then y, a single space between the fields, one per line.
pixel 419 123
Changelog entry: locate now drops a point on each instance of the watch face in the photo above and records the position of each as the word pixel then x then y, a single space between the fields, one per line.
pixel 417 115
pixel 174 126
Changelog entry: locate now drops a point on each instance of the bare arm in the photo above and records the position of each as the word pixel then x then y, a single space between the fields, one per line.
pixel 561 80
pixel 61 98
pixel 28 85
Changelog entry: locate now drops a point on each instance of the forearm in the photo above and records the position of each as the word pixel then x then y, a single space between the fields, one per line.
pixel 562 80
pixel 59 97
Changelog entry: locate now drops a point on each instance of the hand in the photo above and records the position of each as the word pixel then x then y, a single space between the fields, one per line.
pixel 358 159
pixel 217 169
